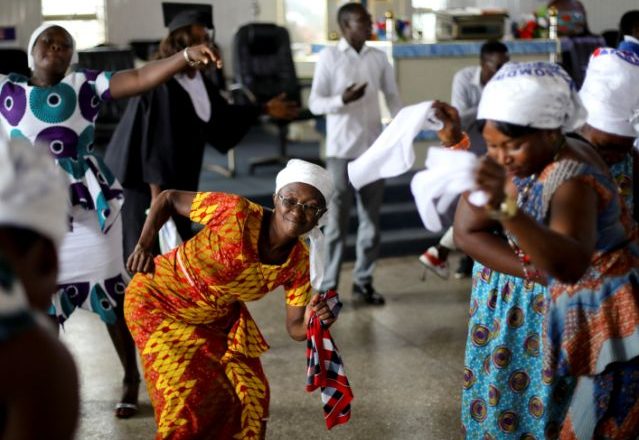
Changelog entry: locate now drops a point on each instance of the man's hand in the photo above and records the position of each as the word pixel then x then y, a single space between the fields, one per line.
pixel 353 92
pixel 281 108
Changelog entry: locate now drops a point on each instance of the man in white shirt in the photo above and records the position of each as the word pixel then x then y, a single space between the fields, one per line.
pixel 468 85
pixel 346 85
pixel 629 32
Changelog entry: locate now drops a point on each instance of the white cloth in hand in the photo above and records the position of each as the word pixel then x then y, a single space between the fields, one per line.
pixel 448 173
pixel 392 152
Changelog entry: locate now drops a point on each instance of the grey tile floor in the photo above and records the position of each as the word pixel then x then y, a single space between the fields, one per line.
pixel 404 361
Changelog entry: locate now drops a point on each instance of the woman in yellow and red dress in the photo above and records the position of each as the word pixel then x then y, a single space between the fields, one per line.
pixel 199 345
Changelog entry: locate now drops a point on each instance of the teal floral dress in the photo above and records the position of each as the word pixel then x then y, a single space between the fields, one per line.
pixel 61 119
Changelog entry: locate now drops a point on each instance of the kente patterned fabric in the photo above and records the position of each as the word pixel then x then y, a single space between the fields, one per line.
pixel 325 369
pixel 199 345
pixel 591 333
pixel 61 118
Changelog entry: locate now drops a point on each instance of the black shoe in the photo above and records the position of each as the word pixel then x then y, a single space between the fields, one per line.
pixel 465 268
pixel 367 294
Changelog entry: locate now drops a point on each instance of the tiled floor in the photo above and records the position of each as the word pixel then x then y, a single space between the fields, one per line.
pixel 404 361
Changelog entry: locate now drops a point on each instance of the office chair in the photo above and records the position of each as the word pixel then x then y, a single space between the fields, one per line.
pixel 263 68
pixel 107 58
pixel 14 61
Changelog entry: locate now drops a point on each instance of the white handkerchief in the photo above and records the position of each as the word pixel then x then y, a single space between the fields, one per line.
pixel 448 173
pixel 392 152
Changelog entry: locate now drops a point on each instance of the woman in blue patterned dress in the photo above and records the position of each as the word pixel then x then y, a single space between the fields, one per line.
pixel 559 207
pixel 56 110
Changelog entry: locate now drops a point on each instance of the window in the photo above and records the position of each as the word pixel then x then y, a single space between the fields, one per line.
pixel 84 19
pixel 306 20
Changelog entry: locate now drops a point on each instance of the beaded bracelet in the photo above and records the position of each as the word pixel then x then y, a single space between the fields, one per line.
pixel 530 272
pixel 463 144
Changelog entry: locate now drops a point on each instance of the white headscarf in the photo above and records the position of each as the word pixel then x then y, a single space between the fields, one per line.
pixel 537 94
pixel 34 36
pixel 297 170
pixel 611 92
pixel 33 192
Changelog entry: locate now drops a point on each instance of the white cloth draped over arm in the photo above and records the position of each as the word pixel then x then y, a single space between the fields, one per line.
pixel 392 152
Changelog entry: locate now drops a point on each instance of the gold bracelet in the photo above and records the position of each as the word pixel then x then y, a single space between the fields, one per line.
pixel 189 61
pixel 507 209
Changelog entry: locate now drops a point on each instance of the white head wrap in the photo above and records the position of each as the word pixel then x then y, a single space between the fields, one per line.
pixel 610 92
pixel 34 36
pixel 537 94
pixel 33 192
pixel 305 172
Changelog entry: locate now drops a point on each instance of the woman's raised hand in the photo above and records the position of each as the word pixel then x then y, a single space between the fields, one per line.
pixel 141 260
pixel 491 178
pixel 281 108
pixel 203 54
pixel 451 133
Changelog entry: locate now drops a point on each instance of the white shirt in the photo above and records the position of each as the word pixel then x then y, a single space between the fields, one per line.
pixel 197 92
pixel 465 96
pixel 352 128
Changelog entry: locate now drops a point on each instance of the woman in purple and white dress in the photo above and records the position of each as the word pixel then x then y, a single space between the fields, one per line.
pixel 55 109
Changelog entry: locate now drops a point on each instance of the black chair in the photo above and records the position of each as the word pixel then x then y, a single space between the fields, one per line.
pixel 144 49
pixel 14 61
pixel 263 68
pixel 107 58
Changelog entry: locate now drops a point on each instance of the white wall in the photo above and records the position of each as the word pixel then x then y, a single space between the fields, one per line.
pixel 25 15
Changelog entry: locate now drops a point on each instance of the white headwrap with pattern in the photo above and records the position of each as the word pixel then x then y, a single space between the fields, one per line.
pixel 535 94
pixel 611 92
pixel 297 170
pixel 34 194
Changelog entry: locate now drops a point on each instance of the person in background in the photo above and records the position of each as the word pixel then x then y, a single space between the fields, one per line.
pixel 468 84
pixel 610 95
pixel 38 378
pixel 57 108
pixel 571 18
pixel 346 84
pixel 159 143
pixel 187 311
pixel 629 32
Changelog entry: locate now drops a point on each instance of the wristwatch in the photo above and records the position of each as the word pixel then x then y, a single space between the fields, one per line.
pixel 507 209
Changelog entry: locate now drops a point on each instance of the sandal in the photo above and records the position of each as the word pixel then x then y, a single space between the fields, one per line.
pixel 125 410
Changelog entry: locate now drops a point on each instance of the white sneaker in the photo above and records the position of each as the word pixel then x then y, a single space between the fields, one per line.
pixel 430 259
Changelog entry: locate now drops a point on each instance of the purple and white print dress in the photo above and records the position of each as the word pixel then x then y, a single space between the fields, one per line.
pixel 61 118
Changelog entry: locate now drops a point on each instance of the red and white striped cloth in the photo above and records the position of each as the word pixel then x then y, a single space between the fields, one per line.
pixel 325 369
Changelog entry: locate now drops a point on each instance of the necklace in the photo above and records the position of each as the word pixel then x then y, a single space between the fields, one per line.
pixel 561 145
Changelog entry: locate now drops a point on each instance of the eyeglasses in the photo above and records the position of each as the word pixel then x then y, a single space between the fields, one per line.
pixel 289 204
